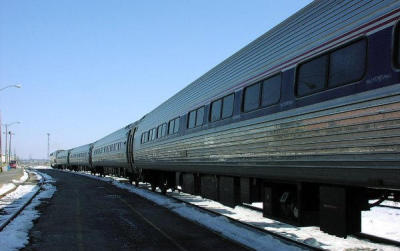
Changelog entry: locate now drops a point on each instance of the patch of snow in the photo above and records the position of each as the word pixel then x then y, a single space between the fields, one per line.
pixel 47 177
pixel 6 188
pixel 22 179
pixel 382 221
pixel 16 234
pixel 22 193
pixel 42 167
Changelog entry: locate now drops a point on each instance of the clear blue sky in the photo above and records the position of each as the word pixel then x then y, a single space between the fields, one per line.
pixel 91 67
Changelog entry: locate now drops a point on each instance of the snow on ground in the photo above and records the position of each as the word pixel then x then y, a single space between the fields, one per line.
pixel 383 222
pixel 16 234
pixel 311 235
pixel 47 177
pixel 22 179
pixel 220 224
pixel 12 185
pixel 23 191
pixel 6 188
pixel 42 167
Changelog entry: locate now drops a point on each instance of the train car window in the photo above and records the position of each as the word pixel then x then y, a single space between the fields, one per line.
pixel 251 97
pixel 192 119
pixel 150 135
pixel 200 116
pixel 171 124
pixel 176 128
pixel 154 134
pixel 347 64
pixel 397 46
pixel 227 106
pixel 271 90
pixel 216 110
pixel 312 76
pixel 159 133
pixel 164 130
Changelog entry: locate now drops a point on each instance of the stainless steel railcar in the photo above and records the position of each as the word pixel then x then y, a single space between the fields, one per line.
pixel 109 154
pixel 305 119
pixel 62 159
pixel 53 158
pixel 80 157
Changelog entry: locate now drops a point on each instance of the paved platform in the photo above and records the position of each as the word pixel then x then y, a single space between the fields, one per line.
pixel 88 214
pixel 12 174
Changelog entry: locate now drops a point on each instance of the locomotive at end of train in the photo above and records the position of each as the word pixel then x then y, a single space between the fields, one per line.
pixel 305 119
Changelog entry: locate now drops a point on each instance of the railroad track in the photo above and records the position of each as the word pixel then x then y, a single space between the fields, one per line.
pixel 18 212
pixel 364 236
pixel 368 237
pixel 283 238
pixel 16 186
pixel 377 239
pixel 392 207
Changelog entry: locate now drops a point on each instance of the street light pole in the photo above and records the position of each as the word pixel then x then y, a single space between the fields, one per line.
pixel 48 145
pixel 8 86
pixel 5 150
pixel 7 157
pixel 1 159
pixel 9 147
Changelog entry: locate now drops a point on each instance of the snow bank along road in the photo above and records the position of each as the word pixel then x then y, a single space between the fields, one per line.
pixel 14 234
pixel 88 214
pixel 10 179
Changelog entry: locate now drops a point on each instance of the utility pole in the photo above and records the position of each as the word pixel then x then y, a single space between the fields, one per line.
pixel 9 147
pixel 1 154
pixel 48 145
pixel 5 150
pixel 9 150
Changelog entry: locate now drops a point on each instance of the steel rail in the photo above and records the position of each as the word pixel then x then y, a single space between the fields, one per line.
pixel 15 188
pixel 284 239
pixel 377 239
pixel 15 214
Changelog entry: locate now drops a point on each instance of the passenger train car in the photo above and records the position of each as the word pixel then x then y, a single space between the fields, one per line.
pixel 306 119
pixel 80 157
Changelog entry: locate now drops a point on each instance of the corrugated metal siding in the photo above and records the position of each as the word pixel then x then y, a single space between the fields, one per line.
pixel 62 157
pixel 80 160
pixel 314 25
pixel 115 158
pixel 366 130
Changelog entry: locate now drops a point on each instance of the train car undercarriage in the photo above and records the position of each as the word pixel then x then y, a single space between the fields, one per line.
pixel 336 209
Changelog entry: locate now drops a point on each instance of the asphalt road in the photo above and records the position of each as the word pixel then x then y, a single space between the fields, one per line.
pixel 88 214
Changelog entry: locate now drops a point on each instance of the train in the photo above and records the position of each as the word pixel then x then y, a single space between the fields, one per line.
pixel 305 119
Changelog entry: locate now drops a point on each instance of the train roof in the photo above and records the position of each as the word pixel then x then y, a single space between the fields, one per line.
pixel 116 135
pixel 79 149
pixel 312 30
